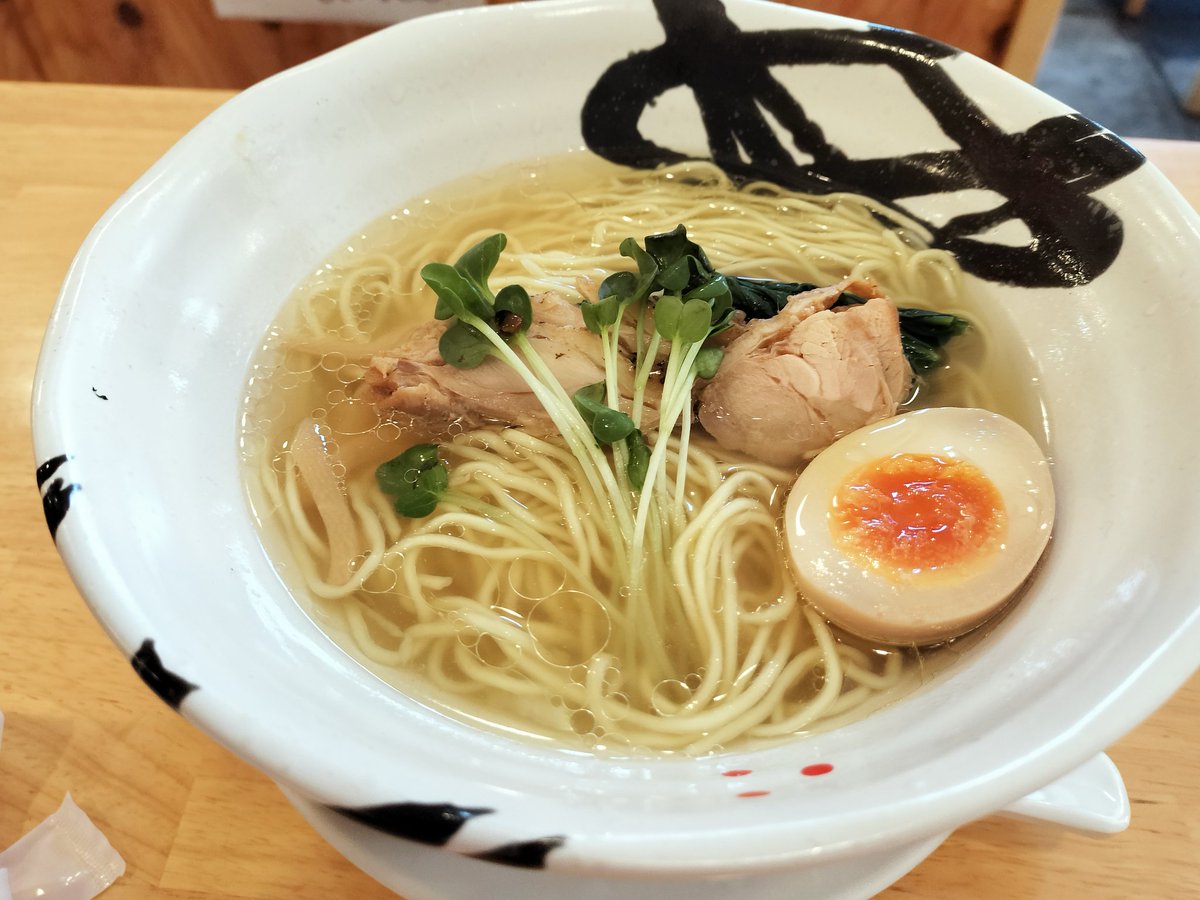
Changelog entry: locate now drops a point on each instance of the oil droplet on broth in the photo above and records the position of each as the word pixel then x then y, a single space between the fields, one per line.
pixel 494 654
pixel 536 576
pixel 669 696
pixel 353 417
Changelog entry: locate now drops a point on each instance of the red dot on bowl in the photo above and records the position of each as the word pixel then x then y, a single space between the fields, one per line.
pixel 753 793
pixel 736 773
pixel 817 769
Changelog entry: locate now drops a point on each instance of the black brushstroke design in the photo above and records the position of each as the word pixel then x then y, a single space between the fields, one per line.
pixel 524 854
pixel 170 688
pixel 55 502
pixel 100 395
pixel 426 823
pixel 56 499
pixel 49 467
pixel 1045 174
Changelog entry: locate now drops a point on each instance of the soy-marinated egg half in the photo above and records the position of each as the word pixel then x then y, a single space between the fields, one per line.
pixel 917 528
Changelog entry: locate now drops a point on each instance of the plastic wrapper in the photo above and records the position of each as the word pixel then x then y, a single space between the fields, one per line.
pixel 66 857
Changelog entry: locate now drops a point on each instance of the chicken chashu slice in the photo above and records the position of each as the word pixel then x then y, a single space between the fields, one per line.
pixel 413 380
pixel 791 385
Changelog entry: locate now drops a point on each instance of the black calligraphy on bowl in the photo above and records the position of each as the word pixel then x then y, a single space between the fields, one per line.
pixel 1046 174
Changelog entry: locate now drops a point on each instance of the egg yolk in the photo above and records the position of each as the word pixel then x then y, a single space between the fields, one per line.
pixel 917 512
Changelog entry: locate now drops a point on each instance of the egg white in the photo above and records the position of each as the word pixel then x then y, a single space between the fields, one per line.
pixel 921 607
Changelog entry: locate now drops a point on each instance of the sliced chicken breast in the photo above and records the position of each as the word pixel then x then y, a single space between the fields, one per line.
pixel 415 381
pixel 791 385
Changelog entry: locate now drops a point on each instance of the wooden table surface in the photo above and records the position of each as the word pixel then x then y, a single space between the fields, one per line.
pixel 193 821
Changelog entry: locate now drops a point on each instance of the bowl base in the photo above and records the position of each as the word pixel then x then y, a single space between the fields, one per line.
pixel 418 872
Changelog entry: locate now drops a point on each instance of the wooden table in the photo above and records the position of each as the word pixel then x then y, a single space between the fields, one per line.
pixel 194 822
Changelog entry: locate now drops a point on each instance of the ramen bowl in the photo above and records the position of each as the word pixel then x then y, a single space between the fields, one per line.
pixel 1081 250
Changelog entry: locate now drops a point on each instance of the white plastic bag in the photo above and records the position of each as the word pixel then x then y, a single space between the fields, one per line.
pixel 66 857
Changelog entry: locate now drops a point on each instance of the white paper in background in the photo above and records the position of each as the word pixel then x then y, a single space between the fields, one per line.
pixel 369 11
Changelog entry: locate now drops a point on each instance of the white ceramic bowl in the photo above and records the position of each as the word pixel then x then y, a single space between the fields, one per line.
pixel 174 289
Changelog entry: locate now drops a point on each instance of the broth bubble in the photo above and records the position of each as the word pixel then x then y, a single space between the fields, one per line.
pixel 568 629
pixel 332 362
pixel 536 576
pixel 582 722
pixel 669 697
pixel 496 653
pixel 353 417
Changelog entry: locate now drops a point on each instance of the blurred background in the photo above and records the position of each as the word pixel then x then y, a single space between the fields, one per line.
pixel 1132 65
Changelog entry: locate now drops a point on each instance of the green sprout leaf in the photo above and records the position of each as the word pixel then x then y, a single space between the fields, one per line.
pixel 639 459
pixel 463 346
pixel 616 292
pixel 647 277
pixel 722 314
pixel 457 295
pixel 416 480
pixel 708 360
pixel 609 311
pixel 598 316
pixel 478 262
pixel 611 426
pixel 622 285
pixel 591 316
pixel 695 319
pixel 513 311
pixel 671 246
pixel 714 288
pixel 608 425
pixel 667 311
pixel 647 267
pixel 676 276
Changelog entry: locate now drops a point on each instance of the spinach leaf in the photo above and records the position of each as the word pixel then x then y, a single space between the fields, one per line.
pixel 921 356
pixel 933 327
pixel 761 299
pixel 923 332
